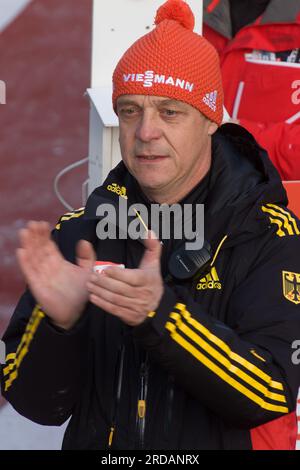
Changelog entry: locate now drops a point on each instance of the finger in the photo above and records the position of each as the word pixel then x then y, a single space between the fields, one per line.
pixel 113 285
pixel 39 226
pixel 34 235
pixel 24 240
pixel 27 264
pixel 34 276
pixel 51 259
pixel 37 257
pixel 44 240
pixel 132 277
pixel 37 239
pixel 114 298
pixel 35 230
pixel 41 252
pixel 47 248
pixel 27 243
pixel 152 254
pixel 44 230
pixel 86 256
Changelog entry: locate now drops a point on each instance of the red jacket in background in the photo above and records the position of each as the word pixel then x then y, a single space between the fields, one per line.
pixel 280 434
pixel 263 94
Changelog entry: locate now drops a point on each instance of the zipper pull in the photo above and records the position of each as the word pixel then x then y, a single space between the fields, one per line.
pixel 111 435
pixel 141 403
pixel 141 409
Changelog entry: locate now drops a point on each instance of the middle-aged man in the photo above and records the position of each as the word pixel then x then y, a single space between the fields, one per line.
pixel 140 357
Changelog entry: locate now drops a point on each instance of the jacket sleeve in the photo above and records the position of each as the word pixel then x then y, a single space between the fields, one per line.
pixel 44 370
pixel 282 142
pixel 241 369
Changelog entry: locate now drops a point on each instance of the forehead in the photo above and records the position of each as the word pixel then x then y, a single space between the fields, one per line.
pixel 148 100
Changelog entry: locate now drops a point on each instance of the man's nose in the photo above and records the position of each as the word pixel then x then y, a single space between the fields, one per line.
pixel 148 128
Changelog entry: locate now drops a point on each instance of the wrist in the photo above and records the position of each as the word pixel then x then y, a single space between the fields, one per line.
pixel 67 325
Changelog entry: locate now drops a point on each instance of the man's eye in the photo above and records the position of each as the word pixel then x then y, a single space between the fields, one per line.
pixel 170 112
pixel 127 111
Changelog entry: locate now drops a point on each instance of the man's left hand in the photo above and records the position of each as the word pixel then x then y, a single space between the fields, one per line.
pixel 130 294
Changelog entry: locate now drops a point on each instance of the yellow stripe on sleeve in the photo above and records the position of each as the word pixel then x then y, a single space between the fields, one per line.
pixel 281 217
pixel 222 345
pixel 225 361
pixel 289 216
pixel 69 216
pixel 221 373
pixel 22 350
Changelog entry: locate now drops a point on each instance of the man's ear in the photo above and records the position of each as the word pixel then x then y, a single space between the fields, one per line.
pixel 212 127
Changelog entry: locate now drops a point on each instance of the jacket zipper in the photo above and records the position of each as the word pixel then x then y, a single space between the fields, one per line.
pixel 142 403
pixel 169 405
pixel 117 394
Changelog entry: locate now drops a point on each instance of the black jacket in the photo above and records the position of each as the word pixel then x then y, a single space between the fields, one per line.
pixel 211 363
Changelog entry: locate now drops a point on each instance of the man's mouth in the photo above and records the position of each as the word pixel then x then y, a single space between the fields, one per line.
pixel 149 158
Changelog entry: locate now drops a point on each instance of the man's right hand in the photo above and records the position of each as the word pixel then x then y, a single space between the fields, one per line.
pixel 57 285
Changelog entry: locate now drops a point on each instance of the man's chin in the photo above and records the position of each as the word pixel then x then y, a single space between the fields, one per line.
pixel 153 186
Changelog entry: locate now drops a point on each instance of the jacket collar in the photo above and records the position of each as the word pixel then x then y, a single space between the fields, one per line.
pixel 242 180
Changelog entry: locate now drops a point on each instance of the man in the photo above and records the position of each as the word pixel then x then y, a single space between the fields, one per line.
pixel 140 357
pixel 258 43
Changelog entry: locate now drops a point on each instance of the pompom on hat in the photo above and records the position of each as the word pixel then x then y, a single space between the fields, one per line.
pixel 172 61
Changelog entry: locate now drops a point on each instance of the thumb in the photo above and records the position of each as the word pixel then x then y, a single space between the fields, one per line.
pixel 85 254
pixel 151 257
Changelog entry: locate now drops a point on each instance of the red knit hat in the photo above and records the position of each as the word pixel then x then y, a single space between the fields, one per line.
pixel 173 61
